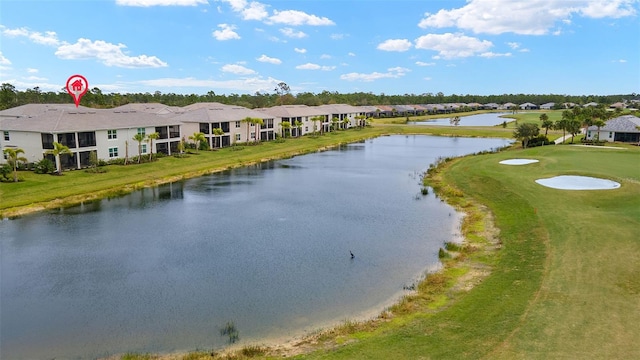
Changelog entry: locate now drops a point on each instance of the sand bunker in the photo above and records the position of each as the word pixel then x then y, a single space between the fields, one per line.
pixel 518 161
pixel 570 182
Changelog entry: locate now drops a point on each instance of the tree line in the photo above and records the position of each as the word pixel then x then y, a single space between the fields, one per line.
pixel 95 98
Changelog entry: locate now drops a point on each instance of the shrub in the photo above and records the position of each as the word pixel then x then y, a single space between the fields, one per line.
pixel 539 141
pixel 5 172
pixel 44 166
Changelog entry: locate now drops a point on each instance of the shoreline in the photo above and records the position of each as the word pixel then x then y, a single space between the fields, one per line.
pixel 335 333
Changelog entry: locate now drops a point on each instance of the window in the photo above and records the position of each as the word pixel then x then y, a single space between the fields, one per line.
pixel 143 148
pixel 589 133
pixel 174 131
pixel 253 135
pixel 610 134
pixel 142 131
pixel 6 136
pixel 237 124
pixel 112 134
pixel 47 141
pixel 306 129
pixel 237 137
pixel 113 152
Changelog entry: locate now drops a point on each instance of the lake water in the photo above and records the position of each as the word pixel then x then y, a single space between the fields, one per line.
pixel 267 247
pixel 487 119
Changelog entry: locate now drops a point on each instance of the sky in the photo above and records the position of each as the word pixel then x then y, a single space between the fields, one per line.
pixel 479 47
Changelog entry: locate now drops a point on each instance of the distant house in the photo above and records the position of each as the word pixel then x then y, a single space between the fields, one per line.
pixel 623 128
pixel 509 106
pixel 529 106
pixel 618 105
pixel 491 106
pixel 548 106
pixel 591 104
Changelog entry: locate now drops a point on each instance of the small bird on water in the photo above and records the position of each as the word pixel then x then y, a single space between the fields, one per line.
pixel 352 256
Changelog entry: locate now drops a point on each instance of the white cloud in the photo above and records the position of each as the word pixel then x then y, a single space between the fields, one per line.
pixel 531 17
pixel 237 69
pixel 32 71
pixel 227 33
pixel 148 3
pixel 421 63
pixel 255 11
pixel 337 36
pixel 310 66
pixel 107 53
pixel 36 78
pixel 395 45
pixel 325 56
pixel 513 45
pixel 351 54
pixel 490 54
pixel 49 38
pixel 451 46
pixel 610 8
pixel 16 32
pixel 295 18
pixel 301 51
pixel 622 61
pixel 391 73
pixel 265 58
pixel 3 60
pixel 289 32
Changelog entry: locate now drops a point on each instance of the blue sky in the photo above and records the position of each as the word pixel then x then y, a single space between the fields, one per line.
pixel 483 47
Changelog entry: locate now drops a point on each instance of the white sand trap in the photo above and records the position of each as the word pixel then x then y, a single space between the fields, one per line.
pixel 570 182
pixel 518 161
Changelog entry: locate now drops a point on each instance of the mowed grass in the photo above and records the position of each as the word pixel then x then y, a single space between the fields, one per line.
pixel 564 285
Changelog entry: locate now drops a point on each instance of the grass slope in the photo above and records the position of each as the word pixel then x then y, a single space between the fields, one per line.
pixel 566 283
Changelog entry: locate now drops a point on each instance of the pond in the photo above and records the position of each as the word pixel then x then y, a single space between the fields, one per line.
pixel 487 119
pixel 266 247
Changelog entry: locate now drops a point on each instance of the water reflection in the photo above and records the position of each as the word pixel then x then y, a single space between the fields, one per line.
pixel 266 247
pixel 487 119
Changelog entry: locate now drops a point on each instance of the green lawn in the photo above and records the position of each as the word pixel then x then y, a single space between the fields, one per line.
pixel 566 282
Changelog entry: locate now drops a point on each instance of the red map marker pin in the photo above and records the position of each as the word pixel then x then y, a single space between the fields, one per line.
pixel 77 86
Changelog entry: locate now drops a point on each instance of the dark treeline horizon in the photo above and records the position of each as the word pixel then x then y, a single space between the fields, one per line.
pixel 10 97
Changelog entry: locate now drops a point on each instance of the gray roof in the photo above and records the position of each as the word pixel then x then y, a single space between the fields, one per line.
pixel 291 111
pixel 58 119
pixel 217 112
pixel 341 109
pixel 625 123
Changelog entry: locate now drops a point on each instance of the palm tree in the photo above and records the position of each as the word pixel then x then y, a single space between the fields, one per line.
pixel 298 125
pixel 598 123
pixel 546 125
pixel 249 121
pixel 13 156
pixel 334 123
pixel 258 122
pixel 150 138
pixel 139 138
pixel 286 126
pixel 218 132
pixel 59 149
pixel 198 138
pixel 316 119
pixel 360 119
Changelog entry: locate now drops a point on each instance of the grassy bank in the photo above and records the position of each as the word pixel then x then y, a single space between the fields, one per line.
pixel 564 284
